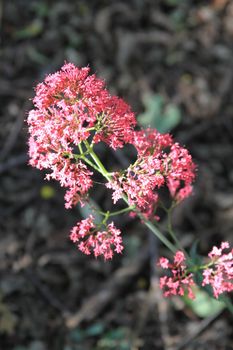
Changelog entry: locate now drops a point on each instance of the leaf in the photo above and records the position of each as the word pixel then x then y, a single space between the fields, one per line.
pixel 172 117
pixel 117 333
pixel 95 329
pixel 32 30
pixel 77 335
pixel 153 109
pixel 159 115
pixel 204 305
pixel 116 339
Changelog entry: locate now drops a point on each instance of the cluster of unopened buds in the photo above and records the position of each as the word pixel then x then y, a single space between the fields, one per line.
pixel 73 111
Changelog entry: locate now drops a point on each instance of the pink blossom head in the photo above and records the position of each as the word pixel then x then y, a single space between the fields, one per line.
pixel 219 272
pixel 70 107
pixel 180 280
pixel 160 162
pixel 90 239
pixel 180 172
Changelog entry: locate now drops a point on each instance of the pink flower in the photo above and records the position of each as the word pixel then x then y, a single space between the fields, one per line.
pixel 159 162
pixel 180 172
pixel 151 142
pixel 74 176
pixel 73 109
pixel 179 257
pixel 115 124
pixel 180 280
pixel 164 263
pixel 68 106
pixel 219 274
pixel 91 239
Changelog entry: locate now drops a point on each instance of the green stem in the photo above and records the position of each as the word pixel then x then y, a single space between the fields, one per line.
pixel 98 162
pixel 157 233
pixel 80 148
pixel 82 156
pixel 148 223
pixel 118 212
pixel 90 163
pixel 171 232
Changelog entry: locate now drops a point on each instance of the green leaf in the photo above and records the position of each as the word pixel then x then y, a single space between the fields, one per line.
pixel 30 31
pixel 172 117
pixel 95 329
pixel 204 305
pixel 153 109
pixel 116 339
pixel 159 115
pixel 117 333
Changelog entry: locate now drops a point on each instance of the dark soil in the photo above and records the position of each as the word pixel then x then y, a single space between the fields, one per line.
pixel 51 296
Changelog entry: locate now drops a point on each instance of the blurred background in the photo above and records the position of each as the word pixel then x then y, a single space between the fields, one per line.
pixel 172 61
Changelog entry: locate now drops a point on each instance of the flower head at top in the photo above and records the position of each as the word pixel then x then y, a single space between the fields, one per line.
pixel 71 106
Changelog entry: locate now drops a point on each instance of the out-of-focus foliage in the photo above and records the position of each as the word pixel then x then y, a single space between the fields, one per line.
pixel 158 114
pixel 204 305
pixel 7 319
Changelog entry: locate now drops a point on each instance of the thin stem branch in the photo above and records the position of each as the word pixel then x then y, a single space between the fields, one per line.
pixel 157 233
pixel 171 232
pixel 85 159
pixel 96 159
pixel 118 212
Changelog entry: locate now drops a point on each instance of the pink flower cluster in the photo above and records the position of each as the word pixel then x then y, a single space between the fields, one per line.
pixel 89 238
pixel 68 106
pixel 180 281
pixel 73 108
pixel 219 274
pixel 159 162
